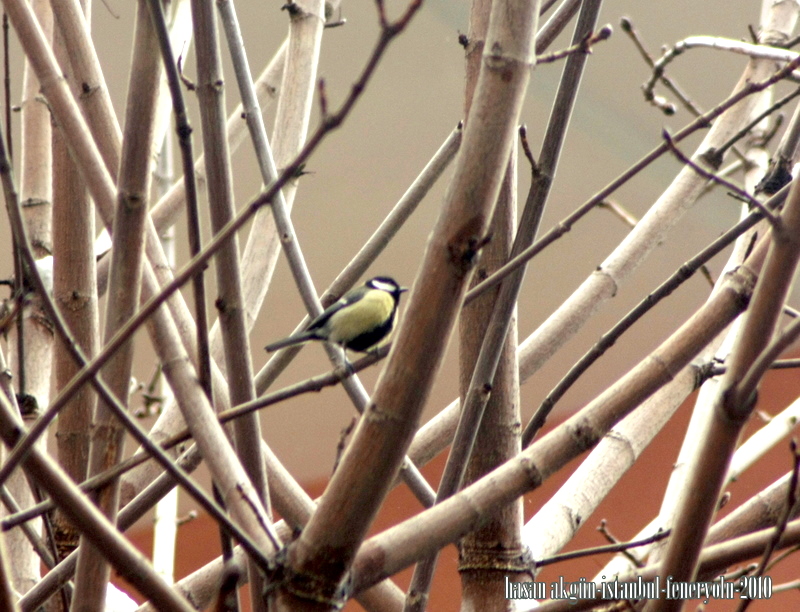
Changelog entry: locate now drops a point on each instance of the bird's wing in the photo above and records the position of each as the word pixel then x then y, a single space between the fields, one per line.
pixel 349 298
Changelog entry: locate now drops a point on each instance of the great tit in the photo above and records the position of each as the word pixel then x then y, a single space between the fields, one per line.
pixel 358 321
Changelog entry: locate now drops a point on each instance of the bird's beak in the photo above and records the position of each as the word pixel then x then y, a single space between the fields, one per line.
pixel 403 289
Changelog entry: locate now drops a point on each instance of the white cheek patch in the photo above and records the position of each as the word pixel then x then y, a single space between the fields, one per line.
pixel 389 288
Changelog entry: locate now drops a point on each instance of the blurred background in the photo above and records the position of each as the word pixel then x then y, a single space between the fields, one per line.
pixel 414 101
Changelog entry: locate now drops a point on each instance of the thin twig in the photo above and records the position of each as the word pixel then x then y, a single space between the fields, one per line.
pixel 764 361
pixel 556 24
pixel 714 156
pixel 620 212
pixel 107 440
pixel 373 247
pixel 290 241
pixel 184 130
pixel 666 288
pixel 350 500
pixel 128 516
pixel 96 527
pixel 792 585
pixel 7 89
pixel 742 194
pixel 167 337
pixel 599 550
pixel 26 441
pixel 755 51
pixel 780 527
pixel 34 538
pixel 784 364
pixel 311 385
pixel 583 46
pixel 566 225
pixel 195 264
pixel 476 396
pixel 235 339
pixel 527 470
pixel 733 403
pixel 714 560
pixel 627 26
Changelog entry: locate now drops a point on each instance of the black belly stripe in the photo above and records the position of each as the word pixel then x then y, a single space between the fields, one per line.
pixel 364 342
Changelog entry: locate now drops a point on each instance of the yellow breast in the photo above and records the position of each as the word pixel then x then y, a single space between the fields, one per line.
pixel 367 314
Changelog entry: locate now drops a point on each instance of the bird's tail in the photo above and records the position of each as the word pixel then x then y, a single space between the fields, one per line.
pixel 291 341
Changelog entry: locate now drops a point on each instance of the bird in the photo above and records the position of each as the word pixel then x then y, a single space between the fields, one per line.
pixel 358 321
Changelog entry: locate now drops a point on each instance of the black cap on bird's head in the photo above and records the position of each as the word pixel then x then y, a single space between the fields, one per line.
pixel 387 284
